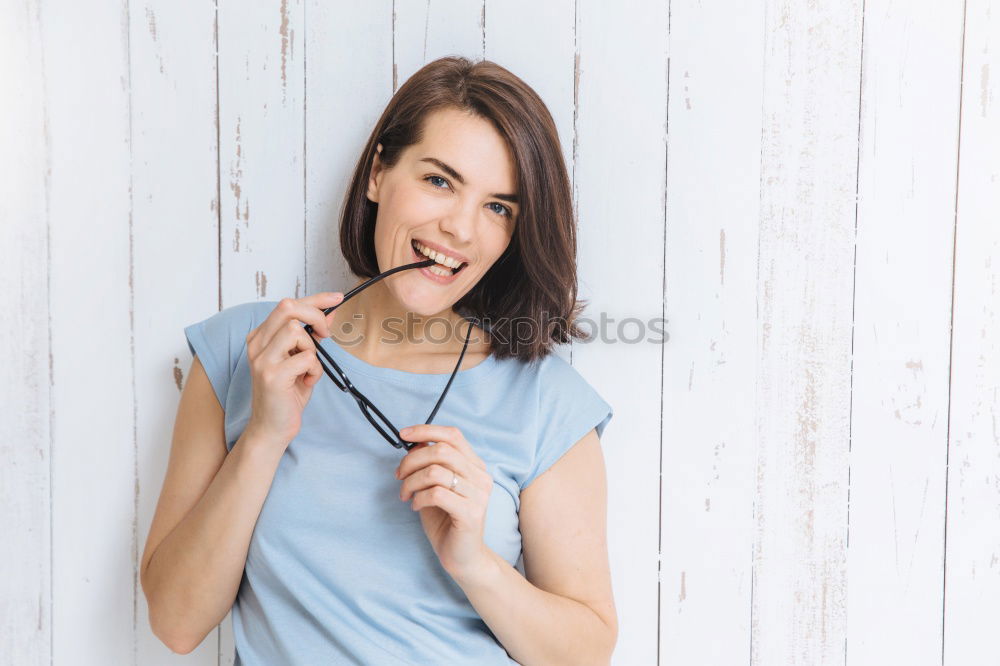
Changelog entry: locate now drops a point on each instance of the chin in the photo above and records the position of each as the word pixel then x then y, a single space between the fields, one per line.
pixel 421 308
pixel 424 303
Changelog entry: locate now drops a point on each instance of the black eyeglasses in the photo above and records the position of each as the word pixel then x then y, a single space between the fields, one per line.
pixel 378 420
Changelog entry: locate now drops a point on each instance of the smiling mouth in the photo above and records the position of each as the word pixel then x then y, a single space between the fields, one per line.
pixel 454 271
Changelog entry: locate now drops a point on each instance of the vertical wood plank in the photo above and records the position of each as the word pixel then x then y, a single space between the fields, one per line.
pixel 261 144
pixel 25 435
pixel 805 291
pixel 427 31
pixel 620 189
pixel 348 72
pixel 175 241
pixel 905 221
pixel 716 92
pixel 972 571
pixel 94 542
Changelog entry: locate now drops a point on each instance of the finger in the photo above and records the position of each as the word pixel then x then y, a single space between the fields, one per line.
pixel 429 432
pixel 307 310
pixel 434 475
pixel 289 341
pixel 458 507
pixel 443 454
pixel 305 364
pixel 328 300
pixel 314 307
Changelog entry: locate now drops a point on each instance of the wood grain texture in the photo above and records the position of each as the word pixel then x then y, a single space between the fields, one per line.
pixel 619 181
pixel 812 67
pixel 808 472
pixel 261 148
pixel 972 556
pixel 25 346
pixel 95 542
pixel 907 160
pixel 716 89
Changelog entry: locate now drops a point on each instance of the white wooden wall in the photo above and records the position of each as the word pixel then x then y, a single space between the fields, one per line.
pixel 808 472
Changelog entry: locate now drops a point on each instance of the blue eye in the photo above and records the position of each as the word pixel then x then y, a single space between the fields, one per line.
pixel 504 210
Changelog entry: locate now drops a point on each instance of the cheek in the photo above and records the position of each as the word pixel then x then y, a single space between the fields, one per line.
pixel 499 244
pixel 416 202
pixel 398 211
pixel 398 204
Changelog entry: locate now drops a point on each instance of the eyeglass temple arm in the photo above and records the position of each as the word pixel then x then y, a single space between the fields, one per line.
pixel 368 283
pixel 371 405
pixel 342 385
pixel 453 373
pixel 346 386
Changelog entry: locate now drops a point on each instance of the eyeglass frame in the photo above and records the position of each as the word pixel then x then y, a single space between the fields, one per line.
pixel 345 385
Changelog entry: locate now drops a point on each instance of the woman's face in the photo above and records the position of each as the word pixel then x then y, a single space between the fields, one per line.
pixel 452 192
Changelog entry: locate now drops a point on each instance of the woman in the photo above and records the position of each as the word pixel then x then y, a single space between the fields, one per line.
pixel 282 499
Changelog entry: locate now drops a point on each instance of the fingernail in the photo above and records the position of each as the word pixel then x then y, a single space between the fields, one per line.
pixel 406 431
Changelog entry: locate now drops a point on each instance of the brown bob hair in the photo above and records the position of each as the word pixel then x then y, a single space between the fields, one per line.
pixel 533 284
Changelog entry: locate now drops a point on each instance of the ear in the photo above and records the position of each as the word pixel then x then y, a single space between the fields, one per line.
pixel 375 177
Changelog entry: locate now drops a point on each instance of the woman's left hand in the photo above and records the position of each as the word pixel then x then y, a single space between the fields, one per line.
pixel 452 519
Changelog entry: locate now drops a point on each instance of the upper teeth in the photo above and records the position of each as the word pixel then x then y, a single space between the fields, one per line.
pixel 437 256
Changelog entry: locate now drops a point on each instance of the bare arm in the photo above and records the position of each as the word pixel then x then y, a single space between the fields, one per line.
pixel 197 546
pixel 562 611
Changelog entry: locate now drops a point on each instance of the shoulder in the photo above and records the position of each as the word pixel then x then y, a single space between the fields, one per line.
pixel 222 335
pixel 555 374
pixel 255 311
pixel 219 342
pixel 563 406
pixel 549 377
pixel 567 395
pixel 239 316
pixel 228 324
pixel 566 408
pixel 244 317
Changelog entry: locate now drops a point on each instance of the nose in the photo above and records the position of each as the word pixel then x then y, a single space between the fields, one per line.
pixel 460 223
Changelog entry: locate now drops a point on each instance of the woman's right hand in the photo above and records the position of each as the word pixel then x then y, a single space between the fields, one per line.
pixel 284 365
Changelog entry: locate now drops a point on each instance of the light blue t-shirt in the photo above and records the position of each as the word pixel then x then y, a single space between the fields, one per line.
pixel 339 569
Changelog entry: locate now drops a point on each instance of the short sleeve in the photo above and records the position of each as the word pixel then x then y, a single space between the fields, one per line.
pixel 569 407
pixel 219 341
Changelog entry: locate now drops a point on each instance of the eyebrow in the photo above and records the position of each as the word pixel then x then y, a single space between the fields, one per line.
pixel 512 198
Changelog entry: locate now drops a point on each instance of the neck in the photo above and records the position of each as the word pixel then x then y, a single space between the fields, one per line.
pixel 375 326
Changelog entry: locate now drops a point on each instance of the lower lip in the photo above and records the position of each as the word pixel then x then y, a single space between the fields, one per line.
pixel 426 272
